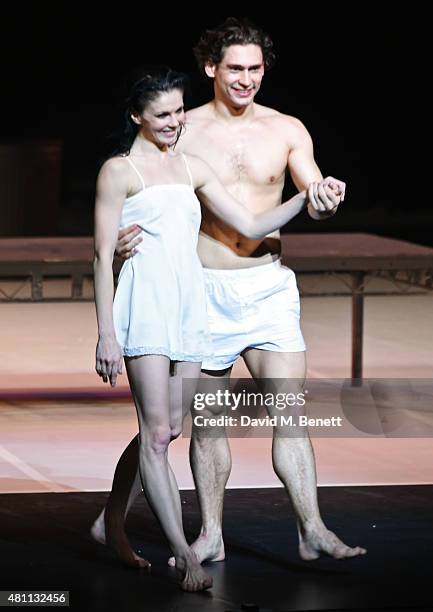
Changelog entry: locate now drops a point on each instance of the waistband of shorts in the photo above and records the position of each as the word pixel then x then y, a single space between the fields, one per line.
pixel 243 273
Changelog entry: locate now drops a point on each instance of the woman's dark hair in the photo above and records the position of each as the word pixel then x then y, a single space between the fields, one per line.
pixel 213 43
pixel 144 86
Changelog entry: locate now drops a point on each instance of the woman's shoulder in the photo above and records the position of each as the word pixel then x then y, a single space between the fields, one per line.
pixel 114 174
pixel 195 161
pixel 200 170
pixel 114 167
pixel 116 163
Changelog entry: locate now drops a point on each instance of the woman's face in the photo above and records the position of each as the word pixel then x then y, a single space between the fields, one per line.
pixel 162 119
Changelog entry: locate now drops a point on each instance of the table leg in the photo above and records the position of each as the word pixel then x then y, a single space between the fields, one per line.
pixel 77 285
pixel 37 286
pixel 357 323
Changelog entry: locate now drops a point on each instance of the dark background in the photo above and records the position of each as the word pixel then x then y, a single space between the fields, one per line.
pixel 359 81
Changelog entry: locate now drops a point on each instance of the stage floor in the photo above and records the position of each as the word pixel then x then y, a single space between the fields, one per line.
pixel 46 546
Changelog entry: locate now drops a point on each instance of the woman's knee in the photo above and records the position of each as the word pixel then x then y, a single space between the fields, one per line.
pixel 156 439
pixel 175 431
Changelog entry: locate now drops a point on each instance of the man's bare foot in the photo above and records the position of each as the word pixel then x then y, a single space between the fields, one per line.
pixel 207 547
pixel 314 542
pixel 113 534
pixel 192 574
pixel 97 530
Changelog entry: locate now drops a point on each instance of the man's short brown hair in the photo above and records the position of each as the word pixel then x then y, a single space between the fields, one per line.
pixel 213 43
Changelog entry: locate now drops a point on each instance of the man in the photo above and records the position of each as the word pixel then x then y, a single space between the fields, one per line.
pixel 253 302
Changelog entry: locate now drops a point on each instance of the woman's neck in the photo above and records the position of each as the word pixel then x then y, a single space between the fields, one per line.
pixel 143 146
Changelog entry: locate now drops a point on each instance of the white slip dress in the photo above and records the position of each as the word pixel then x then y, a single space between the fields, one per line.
pixel 159 306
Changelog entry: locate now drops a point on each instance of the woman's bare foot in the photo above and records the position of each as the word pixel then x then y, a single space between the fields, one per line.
pixel 207 547
pixel 112 533
pixel 313 542
pixel 193 578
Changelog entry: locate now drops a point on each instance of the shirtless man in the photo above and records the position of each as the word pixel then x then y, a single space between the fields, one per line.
pixel 253 301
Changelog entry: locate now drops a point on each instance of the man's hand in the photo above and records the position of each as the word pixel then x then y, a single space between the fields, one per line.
pixel 324 197
pixel 127 239
pixel 338 186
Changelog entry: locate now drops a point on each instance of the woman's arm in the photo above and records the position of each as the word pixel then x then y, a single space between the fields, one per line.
pixel 232 212
pixel 111 190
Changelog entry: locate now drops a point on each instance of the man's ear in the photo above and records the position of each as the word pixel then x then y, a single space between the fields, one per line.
pixel 210 69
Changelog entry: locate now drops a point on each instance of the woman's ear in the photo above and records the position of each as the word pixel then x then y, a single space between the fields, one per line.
pixel 136 119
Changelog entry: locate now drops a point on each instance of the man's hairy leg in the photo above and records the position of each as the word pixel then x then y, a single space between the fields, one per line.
pixel 293 457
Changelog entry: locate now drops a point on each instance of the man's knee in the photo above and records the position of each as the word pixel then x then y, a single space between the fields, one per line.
pixel 288 402
pixel 208 420
pixel 208 428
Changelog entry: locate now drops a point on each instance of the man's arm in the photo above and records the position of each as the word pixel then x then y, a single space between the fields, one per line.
pixel 304 170
pixel 231 211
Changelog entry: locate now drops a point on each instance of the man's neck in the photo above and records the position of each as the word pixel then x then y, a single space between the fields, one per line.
pixel 232 114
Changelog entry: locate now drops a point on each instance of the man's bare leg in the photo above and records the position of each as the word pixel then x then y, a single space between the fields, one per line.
pixel 211 464
pixel 116 499
pixel 109 527
pixel 293 460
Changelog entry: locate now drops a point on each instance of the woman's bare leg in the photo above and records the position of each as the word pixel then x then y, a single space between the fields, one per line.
pixel 149 380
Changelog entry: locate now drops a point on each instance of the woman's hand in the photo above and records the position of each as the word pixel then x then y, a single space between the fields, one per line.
pixel 325 196
pixel 109 359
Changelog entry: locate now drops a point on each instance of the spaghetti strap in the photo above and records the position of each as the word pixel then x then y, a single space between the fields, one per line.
pixel 136 171
pixel 187 169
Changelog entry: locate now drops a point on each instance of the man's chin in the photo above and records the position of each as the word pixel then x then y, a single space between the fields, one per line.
pixel 241 101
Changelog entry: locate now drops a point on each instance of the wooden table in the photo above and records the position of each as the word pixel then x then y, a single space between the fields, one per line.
pixel 359 255
pixel 356 254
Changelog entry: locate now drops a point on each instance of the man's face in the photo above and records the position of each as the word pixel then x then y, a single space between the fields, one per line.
pixel 239 74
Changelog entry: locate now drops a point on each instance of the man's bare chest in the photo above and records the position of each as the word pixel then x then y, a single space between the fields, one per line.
pixel 247 155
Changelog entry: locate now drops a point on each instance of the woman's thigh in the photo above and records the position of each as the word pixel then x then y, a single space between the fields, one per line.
pixel 148 377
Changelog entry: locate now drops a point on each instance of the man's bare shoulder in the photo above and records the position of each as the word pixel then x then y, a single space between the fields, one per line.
pixel 289 125
pixel 265 112
pixel 198 121
pixel 200 114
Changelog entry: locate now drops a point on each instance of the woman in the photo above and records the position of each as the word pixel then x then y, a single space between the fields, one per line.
pixel 158 320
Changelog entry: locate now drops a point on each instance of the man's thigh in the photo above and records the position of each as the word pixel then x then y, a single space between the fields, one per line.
pixel 210 389
pixel 264 364
pixel 281 374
